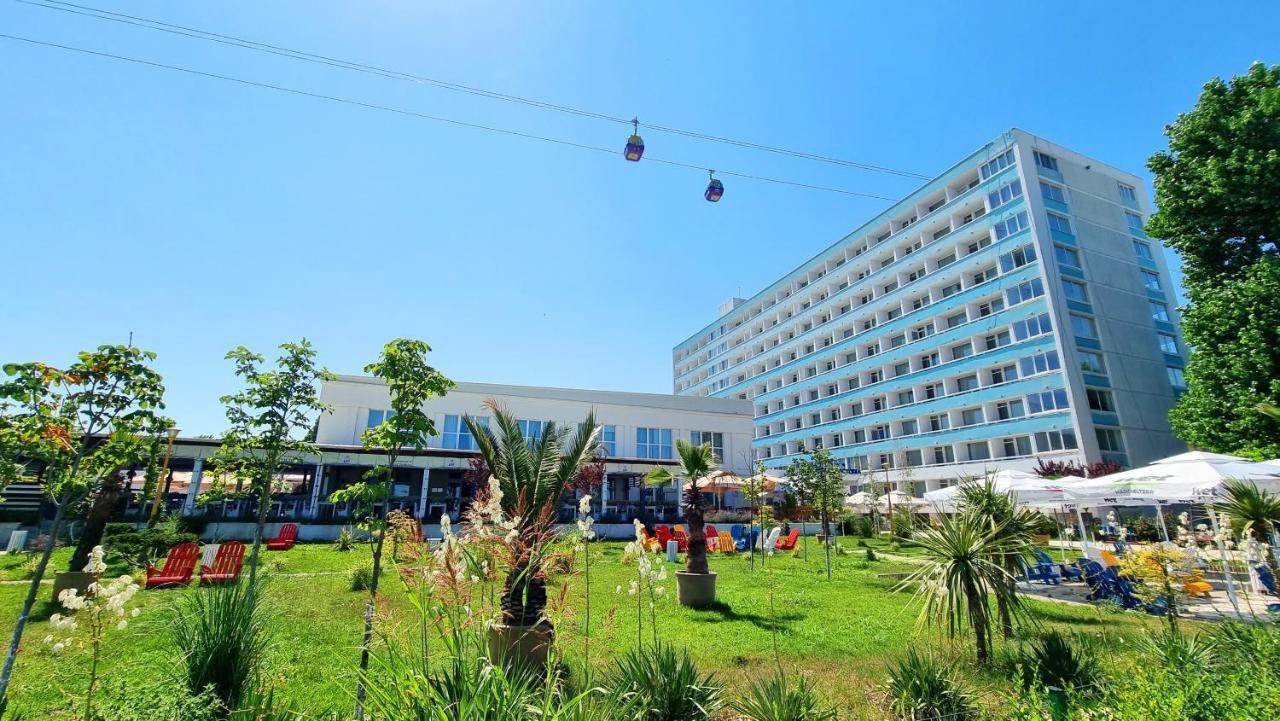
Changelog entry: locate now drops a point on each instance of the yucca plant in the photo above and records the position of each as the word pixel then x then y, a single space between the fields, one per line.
pixel 923 687
pixel 659 684
pixel 1053 660
pixel 777 698
pixel 1257 510
pixel 532 474
pixel 998 511
pixel 221 635
pixel 1177 650
pixel 963 567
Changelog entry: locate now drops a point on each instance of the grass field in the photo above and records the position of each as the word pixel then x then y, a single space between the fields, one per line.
pixel 841 632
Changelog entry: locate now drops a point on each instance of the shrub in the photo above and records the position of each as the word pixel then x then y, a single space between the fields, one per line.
pixel 1173 649
pixel 361 577
pixel 854 524
pixel 777 699
pixel 1053 660
pixel 139 547
pixel 345 541
pixel 664 685
pixel 871 554
pixel 923 687
pixel 221 635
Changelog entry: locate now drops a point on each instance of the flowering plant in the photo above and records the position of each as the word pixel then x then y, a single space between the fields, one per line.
pixel 651 572
pixel 101 608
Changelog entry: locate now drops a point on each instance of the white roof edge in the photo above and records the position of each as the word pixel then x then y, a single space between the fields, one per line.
pixel 728 406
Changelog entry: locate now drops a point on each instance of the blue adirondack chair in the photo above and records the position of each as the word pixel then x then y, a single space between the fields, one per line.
pixel 1121 547
pixel 1268 580
pixel 1096 576
pixel 1069 573
pixel 1046 573
pixel 735 531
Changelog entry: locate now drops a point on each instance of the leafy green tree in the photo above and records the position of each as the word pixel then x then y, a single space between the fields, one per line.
pixel 1218 183
pixel 1234 330
pixel 696 462
pixel 411 382
pixel 81 424
pixel 828 494
pixel 268 419
pixel 1217 187
pixel 802 477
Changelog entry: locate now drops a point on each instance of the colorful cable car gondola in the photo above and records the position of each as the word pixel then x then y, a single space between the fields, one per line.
pixel 715 189
pixel 635 144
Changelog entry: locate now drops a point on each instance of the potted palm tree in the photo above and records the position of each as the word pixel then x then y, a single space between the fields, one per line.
pixel 696 584
pixel 531 475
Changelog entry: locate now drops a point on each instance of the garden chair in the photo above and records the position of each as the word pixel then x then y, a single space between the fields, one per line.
pixel 789 543
pixel 226 565
pixel 178 567
pixel 284 539
pixel 1067 572
pixel 725 543
pixel 1195 585
pixel 664 535
pixel 1046 573
pixel 712 536
pixel 682 541
pixel 1268 581
pixel 1122 548
pixel 650 543
pixel 735 531
pixel 1110 559
pixel 679 528
pixel 771 540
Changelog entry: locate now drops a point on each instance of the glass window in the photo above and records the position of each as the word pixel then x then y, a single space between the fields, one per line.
pixel 1075 291
pixel 653 443
pixel 1052 192
pixel 1168 344
pixel 915 457
pixel 910 428
pixel 1151 280
pixel 1159 311
pixel 1017 258
pixel 995 165
pixel 457 434
pixel 971 416
pixel 1045 161
pixel 1010 409
pixel 1054 400
pixel 1091 362
pixel 961 351
pixel 1100 400
pixel 1176 378
pixel 531 430
pixel 1067 256
pixel 944 454
pixel 967 383
pixel 1017 446
pixel 1134 221
pixel 376 417
pixel 1056 440
pixel 1128 193
pixel 1083 326
pixel 1004 229
pixel 1059 223
pixel 1109 439
pixel 715 440
pixel 1004 194
pixel 978 450
pixel 609 440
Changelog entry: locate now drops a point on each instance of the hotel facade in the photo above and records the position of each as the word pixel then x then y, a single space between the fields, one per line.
pixel 1009 310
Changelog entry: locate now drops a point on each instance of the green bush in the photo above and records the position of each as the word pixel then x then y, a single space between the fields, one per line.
pixel 345 541
pixel 664 685
pixel 1173 649
pixel 923 687
pixel 871 554
pixel 854 524
pixel 361 577
pixel 778 699
pixel 123 542
pixel 220 633
pixel 1053 660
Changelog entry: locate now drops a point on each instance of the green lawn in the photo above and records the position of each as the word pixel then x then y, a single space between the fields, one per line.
pixel 841 631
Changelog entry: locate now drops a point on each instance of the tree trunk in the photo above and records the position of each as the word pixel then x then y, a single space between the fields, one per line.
pixel 826 535
pixel 978 618
pixel 95 522
pixel 369 608
pixel 264 505
pixel 697 557
pixel 524 595
pixel 32 591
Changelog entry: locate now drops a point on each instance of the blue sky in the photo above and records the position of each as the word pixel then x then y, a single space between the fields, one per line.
pixel 200 215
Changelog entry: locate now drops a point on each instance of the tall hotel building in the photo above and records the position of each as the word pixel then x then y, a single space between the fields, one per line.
pixel 1009 310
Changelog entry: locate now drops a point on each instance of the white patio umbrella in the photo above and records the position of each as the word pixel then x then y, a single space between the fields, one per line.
pixel 898 498
pixel 1028 489
pixel 860 501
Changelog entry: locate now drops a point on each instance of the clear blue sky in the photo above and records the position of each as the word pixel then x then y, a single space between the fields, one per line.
pixel 201 215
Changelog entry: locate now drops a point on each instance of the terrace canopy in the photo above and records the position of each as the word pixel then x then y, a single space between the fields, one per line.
pixel 1187 477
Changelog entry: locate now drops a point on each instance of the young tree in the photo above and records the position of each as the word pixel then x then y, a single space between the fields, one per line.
pixel 753 491
pixel 1216 189
pixel 828 493
pixel 268 418
pixel 803 476
pixel 81 425
pixel 410 382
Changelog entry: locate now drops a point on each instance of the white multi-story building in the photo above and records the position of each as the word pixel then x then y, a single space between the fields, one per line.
pixel 1009 310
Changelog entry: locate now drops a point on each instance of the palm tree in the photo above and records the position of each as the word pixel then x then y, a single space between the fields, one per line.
pixel 998 512
pixel 962 569
pixel 696 462
pixel 1258 510
pixel 533 474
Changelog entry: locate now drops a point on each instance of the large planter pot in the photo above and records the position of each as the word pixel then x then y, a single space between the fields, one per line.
pixel 79 580
pixel 521 646
pixel 695 590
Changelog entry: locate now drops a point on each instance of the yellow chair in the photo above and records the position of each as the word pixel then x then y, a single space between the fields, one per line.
pixel 1110 559
pixel 679 528
pixel 725 544
pixel 1195 585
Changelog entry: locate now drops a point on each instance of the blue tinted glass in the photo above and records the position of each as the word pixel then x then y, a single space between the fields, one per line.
pixel 450 424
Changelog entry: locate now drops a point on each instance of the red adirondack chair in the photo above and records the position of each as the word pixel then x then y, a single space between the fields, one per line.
pixel 682 541
pixel 664 534
pixel 284 539
pixel 712 536
pixel 789 543
pixel 226 564
pixel 178 567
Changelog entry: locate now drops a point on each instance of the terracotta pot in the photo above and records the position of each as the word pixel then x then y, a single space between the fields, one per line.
pixel 695 590
pixel 521 646
pixel 79 580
